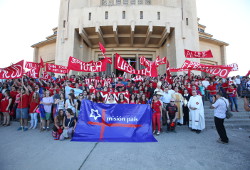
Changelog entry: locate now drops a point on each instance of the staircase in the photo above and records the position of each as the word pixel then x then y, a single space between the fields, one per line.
pixel 239 120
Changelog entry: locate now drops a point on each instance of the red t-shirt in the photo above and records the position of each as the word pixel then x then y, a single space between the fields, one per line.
pixel 24 102
pixel 225 86
pixel 156 106
pixel 232 90
pixel 13 95
pixel 212 89
pixel 33 105
pixel 4 104
pixel 122 102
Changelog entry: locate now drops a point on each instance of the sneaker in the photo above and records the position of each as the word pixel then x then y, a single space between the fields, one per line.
pixel 30 127
pixel 20 128
pixel 158 133
pixel 219 141
pixel 25 129
pixel 154 132
pixel 198 131
pixel 174 131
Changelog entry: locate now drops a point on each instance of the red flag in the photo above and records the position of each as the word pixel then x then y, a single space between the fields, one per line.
pixel 41 62
pixel 102 48
pixel 46 76
pixel 168 74
pixel 56 68
pixel 78 65
pixel 123 65
pixel 198 54
pixel 12 72
pixel 217 70
pixel 34 69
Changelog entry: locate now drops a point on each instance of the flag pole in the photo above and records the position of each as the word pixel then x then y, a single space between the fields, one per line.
pixel 21 120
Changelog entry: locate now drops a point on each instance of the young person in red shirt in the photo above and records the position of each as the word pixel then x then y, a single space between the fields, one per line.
pixel 5 108
pixel 212 91
pixel 35 100
pixel 157 113
pixel 121 99
pixel 23 108
pixel 232 95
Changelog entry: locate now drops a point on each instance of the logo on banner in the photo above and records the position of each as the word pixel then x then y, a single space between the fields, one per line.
pixel 94 114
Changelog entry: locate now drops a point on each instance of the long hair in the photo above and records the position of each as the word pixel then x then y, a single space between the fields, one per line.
pixel 72 98
pixel 36 99
pixel 60 117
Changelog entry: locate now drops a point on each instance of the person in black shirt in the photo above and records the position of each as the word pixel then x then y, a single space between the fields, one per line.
pixel 172 111
pixel 186 97
pixel 151 89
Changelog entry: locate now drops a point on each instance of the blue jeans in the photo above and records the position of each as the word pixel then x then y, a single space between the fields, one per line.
pixel 233 100
pixel 211 98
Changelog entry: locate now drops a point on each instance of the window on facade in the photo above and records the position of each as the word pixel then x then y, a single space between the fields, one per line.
pixel 158 15
pixel 89 16
pixel 132 2
pixel 123 14
pixel 140 2
pixel 147 2
pixel 106 15
pixel 141 14
pixel 107 2
pixel 125 2
pixel 118 2
pixel 64 23
pixel 186 21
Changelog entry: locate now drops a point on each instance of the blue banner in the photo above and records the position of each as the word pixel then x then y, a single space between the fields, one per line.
pixel 98 122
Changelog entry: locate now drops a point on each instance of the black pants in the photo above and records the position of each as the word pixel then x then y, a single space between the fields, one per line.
pixel 186 115
pixel 219 124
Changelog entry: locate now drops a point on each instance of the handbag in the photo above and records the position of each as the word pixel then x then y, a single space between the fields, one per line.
pixel 229 114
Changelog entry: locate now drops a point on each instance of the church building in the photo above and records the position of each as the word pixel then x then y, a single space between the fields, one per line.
pixel 131 28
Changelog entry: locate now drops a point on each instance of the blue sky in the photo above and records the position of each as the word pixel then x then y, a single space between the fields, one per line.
pixel 24 23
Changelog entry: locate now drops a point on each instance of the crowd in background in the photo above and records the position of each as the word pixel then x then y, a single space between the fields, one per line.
pixel 23 98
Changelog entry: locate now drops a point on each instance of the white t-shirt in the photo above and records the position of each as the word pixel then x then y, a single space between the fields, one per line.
pixel 47 108
pixel 72 107
pixel 109 102
pixel 205 83
pixel 220 108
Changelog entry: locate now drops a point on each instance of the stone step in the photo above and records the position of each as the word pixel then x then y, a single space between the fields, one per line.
pixel 234 126
pixel 234 117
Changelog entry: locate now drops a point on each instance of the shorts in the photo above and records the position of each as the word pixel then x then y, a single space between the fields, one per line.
pixel 47 116
pixel 22 113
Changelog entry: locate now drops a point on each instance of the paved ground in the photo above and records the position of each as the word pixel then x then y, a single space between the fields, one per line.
pixel 186 150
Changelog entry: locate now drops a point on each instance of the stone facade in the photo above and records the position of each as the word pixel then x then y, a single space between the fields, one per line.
pixel 131 28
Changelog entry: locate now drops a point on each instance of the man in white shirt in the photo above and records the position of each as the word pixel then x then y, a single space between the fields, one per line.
pixel 196 113
pixel 220 107
pixel 237 81
pixel 206 83
pixel 165 98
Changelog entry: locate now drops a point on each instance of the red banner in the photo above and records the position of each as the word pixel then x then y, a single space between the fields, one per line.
pixel 12 72
pixel 157 62
pixel 217 70
pixel 123 65
pixel 56 68
pixel 78 65
pixel 34 69
pixel 41 62
pixel 198 54
pixel 106 95
pixel 177 70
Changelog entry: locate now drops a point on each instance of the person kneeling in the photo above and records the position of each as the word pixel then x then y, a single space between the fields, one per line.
pixel 172 112
pixel 69 125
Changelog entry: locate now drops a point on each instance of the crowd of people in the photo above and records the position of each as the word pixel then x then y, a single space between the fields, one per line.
pixel 176 102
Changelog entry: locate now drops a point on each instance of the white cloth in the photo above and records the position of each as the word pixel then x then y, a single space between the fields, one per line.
pixel 220 106
pixel 205 83
pixel 196 117
pixel 237 81
pixel 166 97
pixel 47 108
pixel 171 91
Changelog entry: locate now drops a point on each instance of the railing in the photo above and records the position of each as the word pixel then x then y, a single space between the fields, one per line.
pixel 125 2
